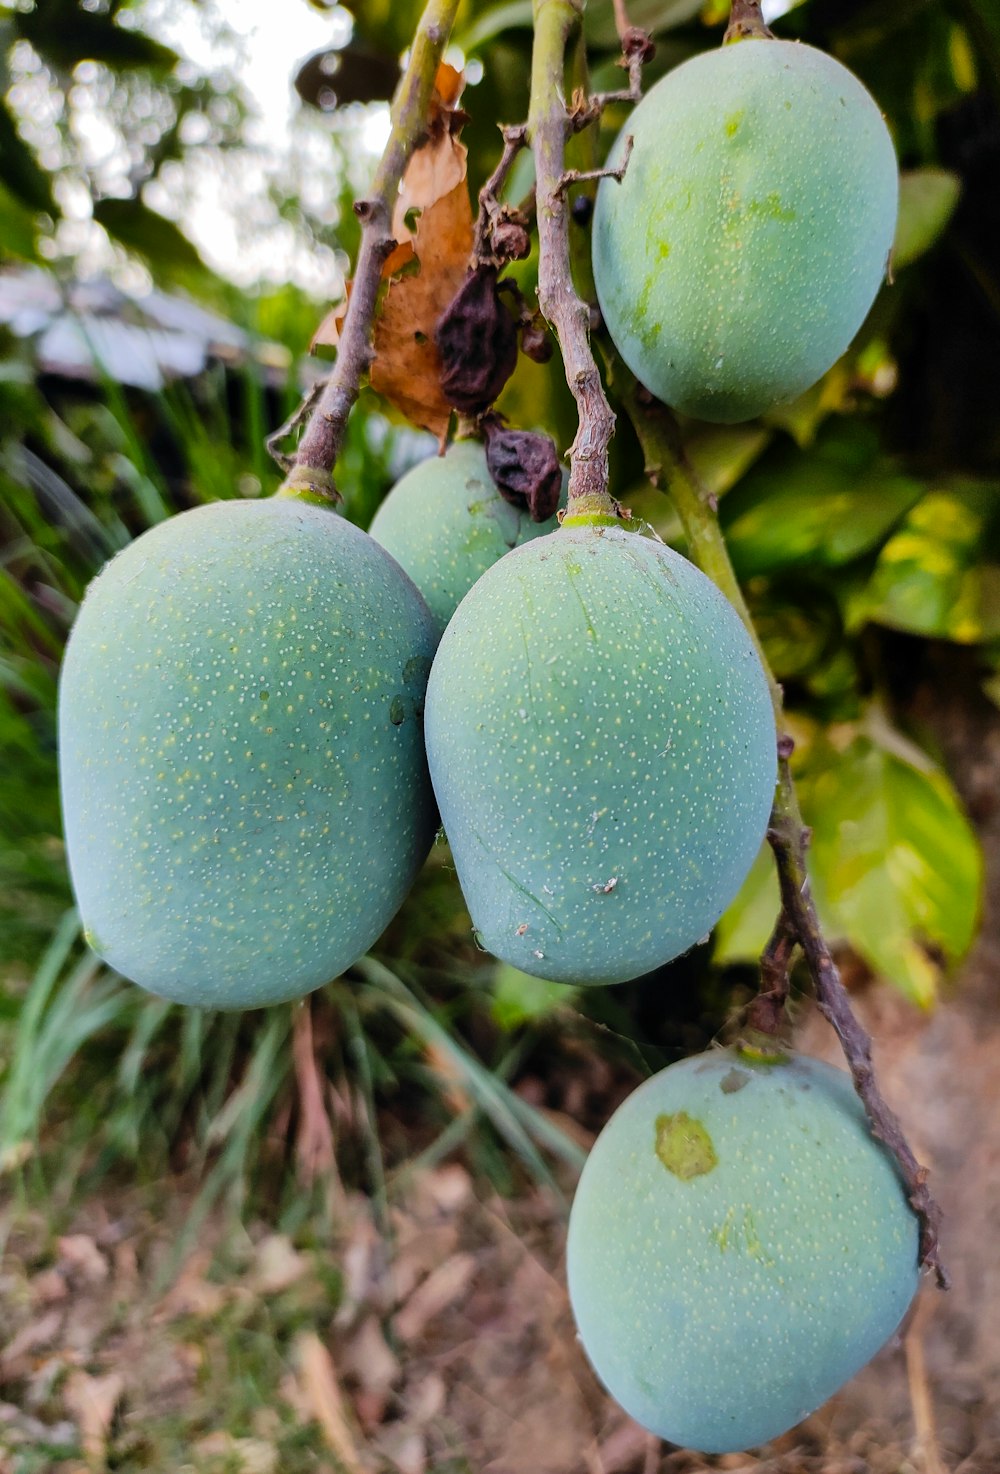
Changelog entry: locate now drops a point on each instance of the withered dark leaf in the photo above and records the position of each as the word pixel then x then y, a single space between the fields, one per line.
pixel 536 342
pixel 477 340
pixel 510 240
pixel 525 467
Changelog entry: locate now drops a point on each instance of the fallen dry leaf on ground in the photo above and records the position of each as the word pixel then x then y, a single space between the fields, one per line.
pixel 442 1287
pixel 322 1395
pixel 240 1455
pixel 32 1337
pixel 315 1154
pixel 79 1254
pixel 92 1402
pixel 277 1265
pixel 192 1293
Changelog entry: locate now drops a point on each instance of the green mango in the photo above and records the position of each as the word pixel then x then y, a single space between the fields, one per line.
pixel 739 1246
pixel 602 746
pixel 244 786
pixel 445 523
pixel 742 250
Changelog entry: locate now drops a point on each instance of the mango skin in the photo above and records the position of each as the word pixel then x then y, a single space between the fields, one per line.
pixel 722 1307
pixel 602 747
pixel 747 241
pixel 445 523
pixel 244 787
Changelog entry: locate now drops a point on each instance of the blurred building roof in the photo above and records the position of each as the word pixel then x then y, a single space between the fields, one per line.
pixel 92 330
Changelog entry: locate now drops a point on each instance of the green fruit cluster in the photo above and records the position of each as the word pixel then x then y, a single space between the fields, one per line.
pixel 249 775
pixel 602 746
pixel 740 253
pixel 445 523
pixel 739 1246
pixel 244 787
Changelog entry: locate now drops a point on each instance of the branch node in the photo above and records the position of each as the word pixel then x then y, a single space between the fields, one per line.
pixel 501 229
pixel 746 23
pixel 639 44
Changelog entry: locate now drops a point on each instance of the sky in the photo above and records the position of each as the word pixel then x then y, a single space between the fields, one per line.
pixel 224 200
pixel 264 44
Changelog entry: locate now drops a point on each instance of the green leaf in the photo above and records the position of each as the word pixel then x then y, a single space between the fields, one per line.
pixel 17 229
pixel 515 15
pixel 388 25
pixel 895 866
pixel 798 622
pixel 745 927
pixel 721 455
pixel 519 998
pixel 929 579
pixel 64 34
pixel 927 201
pixel 149 234
pixel 22 174
pixel 825 506
pixel 653 16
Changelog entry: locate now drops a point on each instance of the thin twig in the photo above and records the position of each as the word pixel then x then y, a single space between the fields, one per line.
pixel 766 1014
pixel 578 176
pixel 925 1442
pixel 637 48
pixel 788 836
pixel 549 127
pixel 320 445
pixel 295 419
pixel 622 22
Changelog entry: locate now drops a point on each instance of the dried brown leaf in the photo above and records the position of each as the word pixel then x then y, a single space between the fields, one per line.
pixel 49 1286
pixel 433 227
pixel 245 1455
pixel 327 335
pixel 448 84
pixel 441 1288
pixel 433 172
pixel 404 1447
pixel 92 1401
pixel 446 1188
pixel 407 367
pixel 78 1252
pixel 32 1337
pixel 191 1293
pixel 323 1397
pixel 439 163
pixel 277 1265
pixel 370 1359
pixel 315 1155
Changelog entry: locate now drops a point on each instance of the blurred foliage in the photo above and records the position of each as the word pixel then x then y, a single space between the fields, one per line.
pixel 895 866
pixel 867 508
